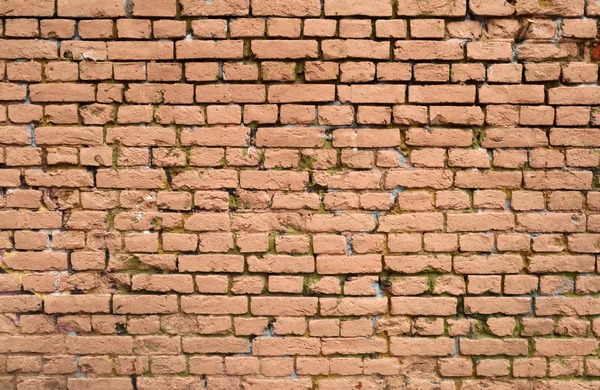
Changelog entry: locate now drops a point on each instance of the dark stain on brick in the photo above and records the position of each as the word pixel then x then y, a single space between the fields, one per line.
pixel 595 52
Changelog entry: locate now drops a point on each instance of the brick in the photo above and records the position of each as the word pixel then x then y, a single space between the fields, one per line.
pixel 573 137
pixel 36 8
pixel 130 178
pixel 543 52
pixel 421 346
pixel 514 94
pixel 342 307
pixel 551 263
pixel 434 8
pixel 428 50
pixel 113 383
pixel 416 263
pixel 453 115
pixel 558 180
pixel 59 178
pixel 436 137
pixel 18 304
pixel 62 93
pixel 573 95
pixel 211 263
pixel 206 179
pixel 140 51
pixel 99 345
pixel 489 51
pixel 10 91
pixel 514 138
pixel 419 178
pixel 216 8
pixel 155 8
pixel 353 265
pixel 281 264
pixel 206 304
pixel 354 48
pixel 222 93
pixel 491 305
pixel 480 222
pixel 494 179
pixel 552 222
pixel 371 94
pixel 80 51
pixel 489 347
pixel 427 28
pixel 300 93
pixel 355 8
pixel 141 304
pixel 290 137
pixel 423 306
pixel 31 344
pixel 132 136
pixel 573 347
pixel 28 49
pixel 282 8
pixel 348 346
pixel 353 180
pixel 268 346
pixel 282 49
pixel 79 8
pixel 556 7
pixel 274 306
pixel 441 94
pixel 204 49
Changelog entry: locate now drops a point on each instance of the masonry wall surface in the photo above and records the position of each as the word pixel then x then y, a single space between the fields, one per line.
pixel 299 194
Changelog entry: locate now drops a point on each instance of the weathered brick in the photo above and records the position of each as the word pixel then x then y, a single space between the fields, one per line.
pixel 421 346
pixel 209 49
pixel 490 347
pixel 275 306
pixel 62 93
pixel 81 8
pixel 514 94
pixel 355 48
pixel 215 8
pixel 140 51
pixel 353 7
pixel 28 49
pixel 428 50
pixel 283 8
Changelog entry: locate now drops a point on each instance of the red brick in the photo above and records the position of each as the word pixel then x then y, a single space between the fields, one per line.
pixel 77 304
pixel 215 8
pixel 34 8
pixel 432 8
pixel 354 8
pixel 355 48
pixel 155 8
pixel 281 49
pixel 421 346
pixel 80 8
pixel 428 50
pixel 140 51
pixel 209 49
pixel 62 93
pixel 29 49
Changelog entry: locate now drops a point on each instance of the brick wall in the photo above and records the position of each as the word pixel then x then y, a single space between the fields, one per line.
pixel 299 194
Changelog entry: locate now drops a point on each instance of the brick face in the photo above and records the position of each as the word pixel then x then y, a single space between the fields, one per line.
pixel 299 194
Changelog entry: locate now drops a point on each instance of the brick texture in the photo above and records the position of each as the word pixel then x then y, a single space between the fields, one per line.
pixel 299 194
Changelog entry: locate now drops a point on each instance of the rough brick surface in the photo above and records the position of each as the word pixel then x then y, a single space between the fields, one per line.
pixel 299 194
